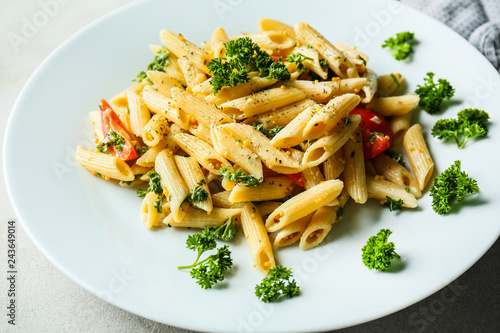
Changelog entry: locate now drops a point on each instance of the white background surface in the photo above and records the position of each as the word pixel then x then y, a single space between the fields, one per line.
pixel 48 301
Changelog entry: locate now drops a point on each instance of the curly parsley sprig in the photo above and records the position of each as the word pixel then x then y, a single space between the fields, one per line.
pixel 470 123
pixel 279 284
pixel 451 185
pixel 378 252
pixel 401 45
pixel 210 270
pixel 432 95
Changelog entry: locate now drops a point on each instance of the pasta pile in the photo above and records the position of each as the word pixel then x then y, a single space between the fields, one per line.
pixel 193 136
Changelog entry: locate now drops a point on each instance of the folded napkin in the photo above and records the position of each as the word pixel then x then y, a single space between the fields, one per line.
pixel 476 20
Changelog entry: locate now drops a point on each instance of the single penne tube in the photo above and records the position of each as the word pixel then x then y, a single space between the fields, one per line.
pixel 151 215
pixel 281 116
pixel 203 152
pixel 271 188
pixel 330 116
pixel 292 134
pixel 139 112
pixel 334 166
pixel 192 74
pixel 317 91
pixel 221 200
pixel 203 89
pixel 322 222
pixel 195 180
pixel 163 105
pixel 182 48
pixel 200 219
pixel 419 156
pixel 388 84
pixel 379 188
pixel 95 118
pixel 121 100
pixel 337 61
pixel 219 37
pixel 168 142
pixel 139 170
pixel 267 24
pixel 394 105
pixel 226 94
pixel 155 129
pixel 262 101
pixel 396 173
pixel 358 58
pixel 370 89
pixel 257 238
pixel 272 41
pixel 233 149
pixel 320 226
pixel 274 158
pixel 346 86
pixel 104 165
pixel 199 110
pixel 292 232
pixel 399 126
pixel 163 82
pixel 354 172
pixel 303 204
pixel 325 147
pixel 173 182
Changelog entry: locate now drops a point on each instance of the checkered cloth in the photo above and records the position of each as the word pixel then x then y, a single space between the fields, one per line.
pixel 476 20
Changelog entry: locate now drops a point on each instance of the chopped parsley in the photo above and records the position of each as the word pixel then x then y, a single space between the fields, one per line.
pixel 154 185
pixel 238 176
pixel 160 61
pixel 393 204
pixel 112 139
pixel 396 156
pixel 270 133
pixel 324 64
pixel 298 58
pixel 198 193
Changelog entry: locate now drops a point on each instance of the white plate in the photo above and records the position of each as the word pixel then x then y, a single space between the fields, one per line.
pixel 90 229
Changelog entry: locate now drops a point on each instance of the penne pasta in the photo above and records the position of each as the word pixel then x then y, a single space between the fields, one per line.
pixel 418 154
pixel 257 238
pixel 173 182
pixel 104 165
pixel 354 172
pixel 303 204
